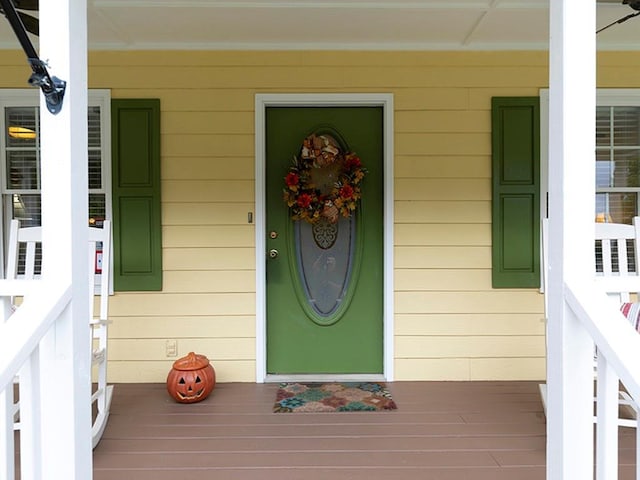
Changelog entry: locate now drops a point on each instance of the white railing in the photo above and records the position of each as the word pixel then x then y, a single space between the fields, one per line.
pixel 21 335
pixel 618 346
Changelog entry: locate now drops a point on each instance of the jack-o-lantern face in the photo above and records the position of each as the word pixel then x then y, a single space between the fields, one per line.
pixel 192 379
pixel 190 386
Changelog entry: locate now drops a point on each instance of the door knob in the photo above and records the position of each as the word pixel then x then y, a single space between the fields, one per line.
pixel 273 253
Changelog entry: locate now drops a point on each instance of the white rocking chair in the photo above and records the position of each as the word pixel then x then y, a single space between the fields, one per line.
pixel 614 243
pixel 99 258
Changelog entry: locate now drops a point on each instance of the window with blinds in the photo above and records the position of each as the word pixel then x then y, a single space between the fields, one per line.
pixel 617 154
pixel 20 186
pixel 617 163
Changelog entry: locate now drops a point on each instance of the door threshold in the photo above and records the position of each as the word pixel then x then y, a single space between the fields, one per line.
pixel 326 377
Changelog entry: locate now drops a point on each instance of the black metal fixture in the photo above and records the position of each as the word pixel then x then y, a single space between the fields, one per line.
pixel 52 87
pixel 635 4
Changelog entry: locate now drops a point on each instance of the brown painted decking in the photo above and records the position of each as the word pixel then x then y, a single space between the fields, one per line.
pixel 441 431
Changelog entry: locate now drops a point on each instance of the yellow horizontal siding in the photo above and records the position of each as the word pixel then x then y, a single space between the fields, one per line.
pixel 174 327
pixel 474 234
pixel 448 76
pixel 207 236
pixel 321 58
pixel 470 324
pixel 606 60
pixel 419 279
pixel 196 191
pixel 467 143
pixel 442 166
pixel 208 258
pixel 149 349
pixel 207 123
pixel 323 76
pixel 157 371
pixel 204 76
pixel 480 98
pixel 442 121
pixel 443 257
pixel 208 167
pixel 462 189
pixel 196 100
pixel 214 145
pixel 434 211
pixel 17 74
pixel 622 74
pixel 469 347
pixel 507 369
pixel 441 98
pixel 235 99
pixel 417 369
pixel 442 202
pixel 181 304
pixel 209 281
pixel 480 369
pixel 489 301
pixel 206 213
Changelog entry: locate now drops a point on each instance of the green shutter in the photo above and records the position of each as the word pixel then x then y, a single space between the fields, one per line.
pixel 515 125
pixel 137 237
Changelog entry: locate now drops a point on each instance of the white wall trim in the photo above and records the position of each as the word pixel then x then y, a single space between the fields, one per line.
pixel 262 101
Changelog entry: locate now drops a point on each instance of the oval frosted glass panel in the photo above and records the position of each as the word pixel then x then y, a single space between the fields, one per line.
pixel 325 258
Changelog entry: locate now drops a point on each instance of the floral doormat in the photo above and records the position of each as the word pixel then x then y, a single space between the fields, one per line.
pixel 333 397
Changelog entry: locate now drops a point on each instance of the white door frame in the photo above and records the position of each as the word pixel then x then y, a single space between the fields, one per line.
pixel 262 101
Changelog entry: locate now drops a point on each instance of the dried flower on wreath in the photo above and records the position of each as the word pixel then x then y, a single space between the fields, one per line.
pixel 323 182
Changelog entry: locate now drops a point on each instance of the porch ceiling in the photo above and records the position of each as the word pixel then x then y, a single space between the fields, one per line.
pixel 333 24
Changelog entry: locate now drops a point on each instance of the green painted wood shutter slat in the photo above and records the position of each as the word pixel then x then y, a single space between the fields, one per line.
pixel 515 126
pixel 137 235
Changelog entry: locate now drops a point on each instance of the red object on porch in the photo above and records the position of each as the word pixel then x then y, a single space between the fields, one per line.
pixel 191 379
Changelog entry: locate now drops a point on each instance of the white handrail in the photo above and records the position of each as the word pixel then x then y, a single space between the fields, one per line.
pixel 613 335
pixel 21 333
pixel 618 345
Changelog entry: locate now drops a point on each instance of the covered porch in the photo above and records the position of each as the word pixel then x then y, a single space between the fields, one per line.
pixel 441 430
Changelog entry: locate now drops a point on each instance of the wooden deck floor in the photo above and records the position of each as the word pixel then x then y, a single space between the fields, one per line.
pixel 441 431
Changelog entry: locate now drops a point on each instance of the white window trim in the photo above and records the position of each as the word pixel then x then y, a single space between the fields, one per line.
pixel 613 97
pixel 21 97
pixel 610 97
pixel 262 101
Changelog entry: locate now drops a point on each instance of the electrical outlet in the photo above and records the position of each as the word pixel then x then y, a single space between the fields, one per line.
pixel 171 348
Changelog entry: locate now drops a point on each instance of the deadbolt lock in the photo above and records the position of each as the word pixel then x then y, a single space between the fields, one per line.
pixel 273 234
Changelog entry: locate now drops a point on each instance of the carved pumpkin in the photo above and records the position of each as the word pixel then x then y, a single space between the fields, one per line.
pixel 191 379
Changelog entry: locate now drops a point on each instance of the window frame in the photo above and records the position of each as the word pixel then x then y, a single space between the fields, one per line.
pixel 31 98
pixel 605 97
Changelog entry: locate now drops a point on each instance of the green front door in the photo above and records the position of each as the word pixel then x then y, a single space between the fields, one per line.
pixel 325 278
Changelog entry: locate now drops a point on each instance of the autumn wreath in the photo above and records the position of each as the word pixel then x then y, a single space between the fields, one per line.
pixel 323 182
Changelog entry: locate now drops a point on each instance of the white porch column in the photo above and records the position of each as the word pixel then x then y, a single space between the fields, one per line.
pixel 571 218
pixel 66 365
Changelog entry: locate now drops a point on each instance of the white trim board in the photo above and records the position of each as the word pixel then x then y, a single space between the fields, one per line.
pixel 325 378
pixel 262 101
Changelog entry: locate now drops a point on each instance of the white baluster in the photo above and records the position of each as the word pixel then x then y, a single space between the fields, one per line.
pixel 607 425
pixel 7 445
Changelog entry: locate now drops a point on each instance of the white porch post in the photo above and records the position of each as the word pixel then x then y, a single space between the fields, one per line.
pixel 65 352
pixel 571 219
